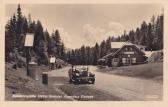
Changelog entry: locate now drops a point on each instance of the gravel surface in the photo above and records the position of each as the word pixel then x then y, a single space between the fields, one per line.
pixel 110 87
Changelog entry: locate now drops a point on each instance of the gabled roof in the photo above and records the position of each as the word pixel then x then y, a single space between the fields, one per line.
pixel 128 44
pixel 124 44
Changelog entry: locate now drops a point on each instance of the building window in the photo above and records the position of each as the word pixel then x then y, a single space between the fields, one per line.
pixel 126 49
pixel 115 60
pixel 133 60
pixel 123 60
pixel 129 56
pixel 130 49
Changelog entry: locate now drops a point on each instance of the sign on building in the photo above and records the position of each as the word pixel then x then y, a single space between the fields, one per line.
pixel 52 60
pixel 29 40
pixel 129 52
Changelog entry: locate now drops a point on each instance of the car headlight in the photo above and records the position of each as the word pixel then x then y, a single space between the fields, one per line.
pixel 77 74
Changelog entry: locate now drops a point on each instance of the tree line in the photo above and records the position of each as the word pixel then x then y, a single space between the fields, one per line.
pixel 148 34
pixel 44 43
pixel 87 55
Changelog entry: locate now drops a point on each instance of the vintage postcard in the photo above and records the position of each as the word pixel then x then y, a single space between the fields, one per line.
pixel 84 51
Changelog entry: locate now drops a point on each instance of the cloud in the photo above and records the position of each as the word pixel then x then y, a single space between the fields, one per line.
pixel 95 34
pixel 90 34
pixel 117 27
pixel 71 41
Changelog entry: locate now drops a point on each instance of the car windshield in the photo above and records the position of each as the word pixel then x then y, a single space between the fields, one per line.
pixel 81 68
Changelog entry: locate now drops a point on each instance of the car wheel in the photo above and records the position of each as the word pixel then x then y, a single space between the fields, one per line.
pixel 76 82
pixel 93 81
pixel 70 80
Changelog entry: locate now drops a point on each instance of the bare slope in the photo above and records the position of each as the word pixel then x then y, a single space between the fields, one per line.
pixel 148 71
pixel 16 82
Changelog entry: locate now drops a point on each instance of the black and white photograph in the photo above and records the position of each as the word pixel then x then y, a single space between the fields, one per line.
pixel 84 52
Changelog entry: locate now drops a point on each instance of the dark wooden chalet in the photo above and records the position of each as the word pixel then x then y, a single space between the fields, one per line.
pixel 123 53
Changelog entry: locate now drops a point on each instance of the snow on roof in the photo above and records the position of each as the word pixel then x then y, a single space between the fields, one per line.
pixel 148 53
pixel 119 44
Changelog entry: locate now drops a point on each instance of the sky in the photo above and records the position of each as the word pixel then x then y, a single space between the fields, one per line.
pixel 86 24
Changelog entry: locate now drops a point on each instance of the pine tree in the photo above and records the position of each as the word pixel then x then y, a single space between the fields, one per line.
pixel 38 36
pixel 88 55
pixel 62 51
pixel 72 57
pixel 108 45
pixel 143 33
pixel 47 42
pixel 83 53
pixel 56 40
pixel 118 39
pixel 149 38
pixel 131 36
pixel 19 29
pixel 29 19
pixel 137 36
pixel 158 37
pixel 40 44
pixel 25 25
pixel 32 26
pixel 96 55
pixel 161 32
pixel 153 23
pixel 103 48
pixel 10 35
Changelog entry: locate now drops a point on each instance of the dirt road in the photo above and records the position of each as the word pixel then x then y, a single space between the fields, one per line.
pixel 122 87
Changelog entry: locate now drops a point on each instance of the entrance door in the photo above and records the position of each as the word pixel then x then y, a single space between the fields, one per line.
pixel 129 61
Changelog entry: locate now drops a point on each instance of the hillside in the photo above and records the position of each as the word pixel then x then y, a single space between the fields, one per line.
pixel 152 71
pixel 17 83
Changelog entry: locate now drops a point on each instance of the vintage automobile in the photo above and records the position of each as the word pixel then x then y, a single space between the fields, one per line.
pixel 81 75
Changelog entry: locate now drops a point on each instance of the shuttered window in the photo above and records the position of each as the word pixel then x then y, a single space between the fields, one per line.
pixel 130 49
pixel 133 60
pixel 123 60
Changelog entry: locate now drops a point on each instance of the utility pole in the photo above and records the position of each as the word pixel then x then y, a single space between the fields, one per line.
pixel 27 60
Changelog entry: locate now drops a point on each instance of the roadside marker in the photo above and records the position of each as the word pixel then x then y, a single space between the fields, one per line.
pixel 29 40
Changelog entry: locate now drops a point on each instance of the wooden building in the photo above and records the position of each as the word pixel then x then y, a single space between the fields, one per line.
pixel 123 53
